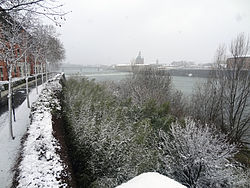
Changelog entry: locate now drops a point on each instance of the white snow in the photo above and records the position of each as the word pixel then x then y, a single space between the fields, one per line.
pixel 41 165
pixel 21 91
pixel 151 180
pixel 9 149
pixel 13 80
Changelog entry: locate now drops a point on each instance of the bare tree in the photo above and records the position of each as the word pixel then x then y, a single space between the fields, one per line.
pixel 26 46
pixel 237 90
pixel 225 99
pixel 147 84
pixel 15 39
pixel 152 84
pixel 55 51
pixel 11 40
pixel 47 48
pixel 37 49
pixel 51 9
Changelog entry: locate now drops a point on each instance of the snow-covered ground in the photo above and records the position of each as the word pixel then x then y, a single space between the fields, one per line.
pixel 41 165
pixel 151 180
pixel 9 149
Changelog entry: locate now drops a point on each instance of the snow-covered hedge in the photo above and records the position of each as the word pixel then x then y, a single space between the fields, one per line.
pixel 107 146
pixel 112 141
pixel 41 165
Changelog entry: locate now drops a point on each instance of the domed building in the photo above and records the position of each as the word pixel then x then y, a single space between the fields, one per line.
pixel 139 60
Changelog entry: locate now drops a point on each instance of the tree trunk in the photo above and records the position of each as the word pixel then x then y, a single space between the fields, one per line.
pixel 36 76
pixel 27 82
pixel 42 72
pixel 10 103
pixel 46 69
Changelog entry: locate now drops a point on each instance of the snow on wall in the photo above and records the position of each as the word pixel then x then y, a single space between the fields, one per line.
pixel 151 180
pixel 41 165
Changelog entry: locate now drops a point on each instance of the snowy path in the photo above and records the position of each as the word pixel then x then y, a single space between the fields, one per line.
pixel 9 149
pixel 41 164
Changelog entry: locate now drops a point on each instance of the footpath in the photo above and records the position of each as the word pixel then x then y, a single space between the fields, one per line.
pixel 27 122
pixel 41 162
pixel 9 148
pixel 37 156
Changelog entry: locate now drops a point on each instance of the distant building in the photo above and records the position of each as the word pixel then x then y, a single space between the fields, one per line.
pixel 139 60
pixel 183 64
pixel 136 65
pixel 239 62
pixel 157 62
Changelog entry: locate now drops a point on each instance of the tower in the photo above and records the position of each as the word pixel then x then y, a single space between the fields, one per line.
pixel 139 59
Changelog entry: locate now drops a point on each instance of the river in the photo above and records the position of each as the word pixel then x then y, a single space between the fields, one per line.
pixel 182 83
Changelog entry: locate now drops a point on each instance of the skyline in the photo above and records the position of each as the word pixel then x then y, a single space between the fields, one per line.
pixel 114 31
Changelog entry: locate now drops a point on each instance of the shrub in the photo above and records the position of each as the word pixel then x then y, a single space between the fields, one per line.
pixel 107 145
pixel 197 156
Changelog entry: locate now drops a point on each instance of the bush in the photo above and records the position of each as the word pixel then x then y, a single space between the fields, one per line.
pixel 151 85
pixel 108 145
pixel 112 140
pixel 197 156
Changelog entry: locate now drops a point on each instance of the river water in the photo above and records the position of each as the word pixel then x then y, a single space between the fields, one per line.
pixel 184 84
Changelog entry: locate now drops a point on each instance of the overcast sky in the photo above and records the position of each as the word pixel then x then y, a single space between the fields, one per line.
pixel 114 31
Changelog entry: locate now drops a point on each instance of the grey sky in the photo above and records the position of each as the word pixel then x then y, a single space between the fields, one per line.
pixel 113 31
